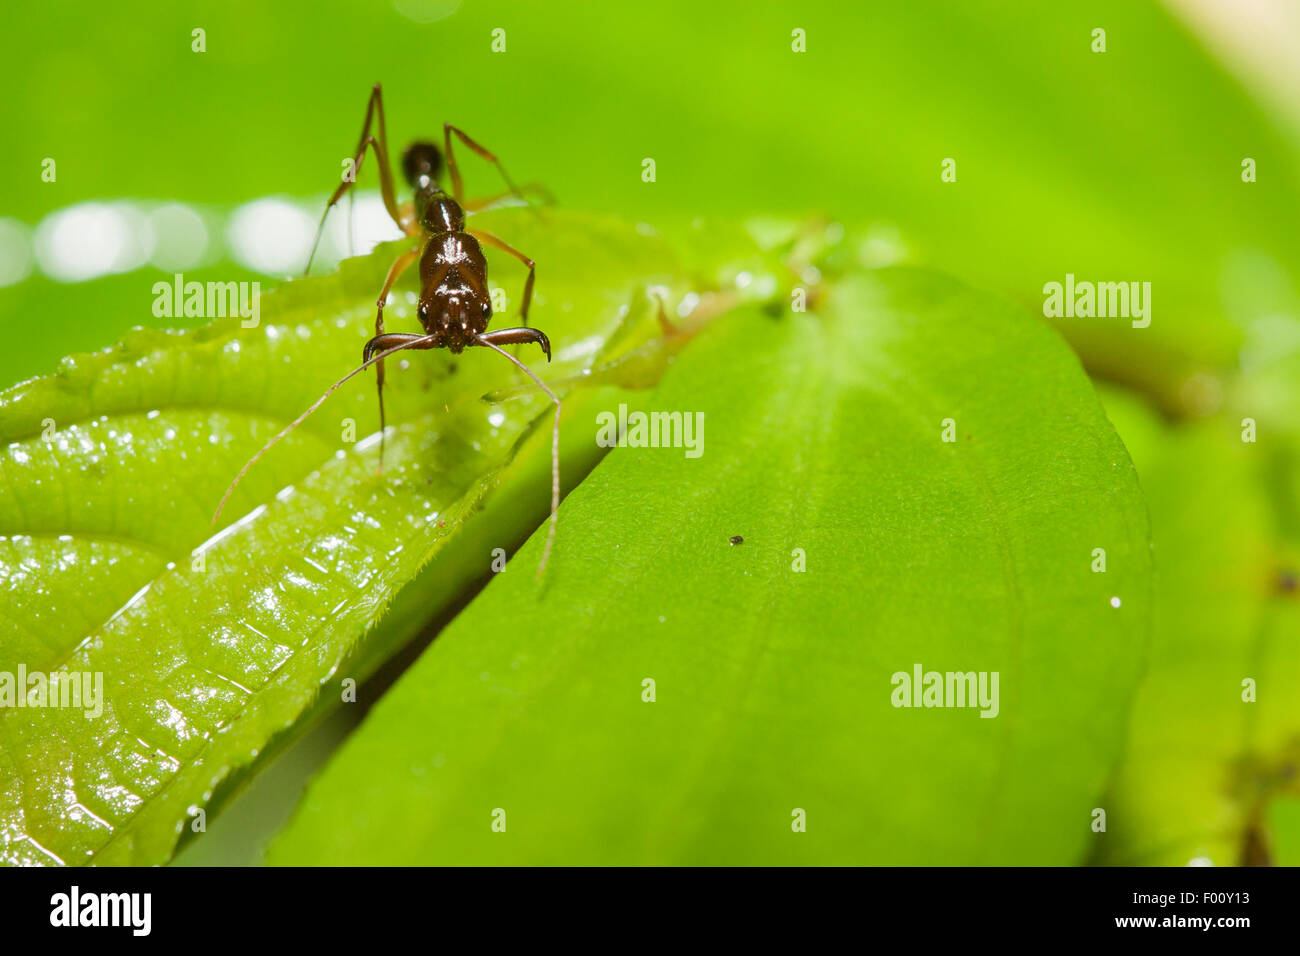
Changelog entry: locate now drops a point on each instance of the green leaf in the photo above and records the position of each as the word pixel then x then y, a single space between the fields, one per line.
pixel 1207 754
pixel 772 686
pixel 212 646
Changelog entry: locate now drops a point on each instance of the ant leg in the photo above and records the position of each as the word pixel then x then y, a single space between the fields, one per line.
pixel 487 341
pixel 487 203
pixel 380 146
pixel 532 266
pixel 515 336
pixel 385 342
pixel 457 187
pixel 352 209
pixel 400 265
pixel 386 188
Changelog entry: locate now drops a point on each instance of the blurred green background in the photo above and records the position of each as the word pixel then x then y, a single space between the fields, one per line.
pixel 1123 165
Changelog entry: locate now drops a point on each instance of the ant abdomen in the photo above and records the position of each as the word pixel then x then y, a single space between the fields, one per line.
pixel 421 161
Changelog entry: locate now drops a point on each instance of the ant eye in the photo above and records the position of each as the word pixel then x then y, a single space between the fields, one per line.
pixel 487 309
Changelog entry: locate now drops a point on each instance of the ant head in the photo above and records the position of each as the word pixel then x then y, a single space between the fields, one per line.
pixel 422 160
pixel 458 311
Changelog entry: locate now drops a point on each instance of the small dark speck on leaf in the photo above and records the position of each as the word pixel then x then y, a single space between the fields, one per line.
pixel 737 539
pixel 1288 581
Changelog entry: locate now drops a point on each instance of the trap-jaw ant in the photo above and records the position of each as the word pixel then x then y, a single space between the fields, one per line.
pixel 454 306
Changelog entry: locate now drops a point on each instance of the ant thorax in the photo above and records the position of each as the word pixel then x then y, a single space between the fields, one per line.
pixel 437 211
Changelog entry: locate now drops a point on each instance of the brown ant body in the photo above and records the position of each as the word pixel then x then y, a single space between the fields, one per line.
pixel 454 306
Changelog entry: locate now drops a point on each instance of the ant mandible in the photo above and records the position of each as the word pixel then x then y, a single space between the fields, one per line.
pixel 454 306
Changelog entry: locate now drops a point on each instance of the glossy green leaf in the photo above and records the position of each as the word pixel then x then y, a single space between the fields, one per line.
pixel 870 545
pixel 212 646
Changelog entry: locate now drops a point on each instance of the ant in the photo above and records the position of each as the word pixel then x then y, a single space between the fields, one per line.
pixel 454 306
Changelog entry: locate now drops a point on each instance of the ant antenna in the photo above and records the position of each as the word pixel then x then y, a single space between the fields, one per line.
pixel 415 343
pixel 555 450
